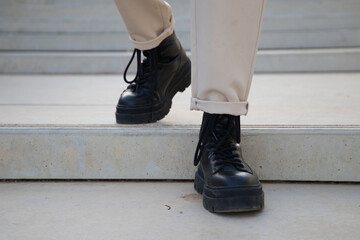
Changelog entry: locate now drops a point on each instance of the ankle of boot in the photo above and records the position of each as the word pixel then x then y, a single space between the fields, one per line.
pixel 147 45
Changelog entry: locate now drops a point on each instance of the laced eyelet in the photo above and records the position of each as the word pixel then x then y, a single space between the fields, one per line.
pixel 141 76
pixel 222 145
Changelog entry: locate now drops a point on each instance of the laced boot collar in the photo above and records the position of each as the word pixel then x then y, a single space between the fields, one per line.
pixel 218 133
pixel 147 71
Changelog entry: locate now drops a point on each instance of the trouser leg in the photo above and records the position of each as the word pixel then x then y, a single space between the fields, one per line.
pixel 223 48
pixel 148 22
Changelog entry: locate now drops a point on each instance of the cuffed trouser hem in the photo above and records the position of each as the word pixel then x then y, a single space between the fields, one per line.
pixel 216 107
pixel 155 42
pixel 226 29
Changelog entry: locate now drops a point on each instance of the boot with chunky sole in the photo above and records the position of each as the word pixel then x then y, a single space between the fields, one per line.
pixel 165 71
pixel 225 181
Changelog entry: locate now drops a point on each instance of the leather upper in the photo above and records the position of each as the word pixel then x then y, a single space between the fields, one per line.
pixel 221 161
pixel 157 72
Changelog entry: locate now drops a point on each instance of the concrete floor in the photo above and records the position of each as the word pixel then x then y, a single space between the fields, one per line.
pixel 329 99
pixel 172 210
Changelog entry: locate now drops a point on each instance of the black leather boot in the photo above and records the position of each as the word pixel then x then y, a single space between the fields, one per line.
pixel 165 71
pixel 226 182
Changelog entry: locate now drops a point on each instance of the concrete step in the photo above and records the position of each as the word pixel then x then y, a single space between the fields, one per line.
pixel 301 127
pixel 172 210
pixel 288 60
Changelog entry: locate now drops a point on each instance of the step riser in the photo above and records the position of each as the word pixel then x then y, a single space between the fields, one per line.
pixel 111 153
pixel 316 60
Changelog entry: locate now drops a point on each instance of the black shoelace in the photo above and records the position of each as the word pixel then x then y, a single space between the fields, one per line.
pixel 222 144
pixel 146 71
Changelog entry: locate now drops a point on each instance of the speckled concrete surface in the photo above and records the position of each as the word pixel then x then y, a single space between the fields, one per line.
pixel 168 210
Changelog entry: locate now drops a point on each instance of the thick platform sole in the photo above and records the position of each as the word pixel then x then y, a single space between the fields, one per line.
pixel 226 200
pixel 148 114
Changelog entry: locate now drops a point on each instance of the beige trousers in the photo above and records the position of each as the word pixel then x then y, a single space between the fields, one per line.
pixel 224 41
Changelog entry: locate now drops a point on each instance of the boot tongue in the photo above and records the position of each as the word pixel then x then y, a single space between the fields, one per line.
pixel 223 120
pixel 225 132
pixel 222 124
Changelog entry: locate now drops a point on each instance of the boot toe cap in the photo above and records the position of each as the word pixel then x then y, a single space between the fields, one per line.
pixel 234 179
pixel 132 99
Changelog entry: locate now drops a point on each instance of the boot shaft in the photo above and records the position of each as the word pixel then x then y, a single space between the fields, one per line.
pixel 168 50
pixel 218 125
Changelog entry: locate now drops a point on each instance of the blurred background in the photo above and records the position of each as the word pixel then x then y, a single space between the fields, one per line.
pixel 88 36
